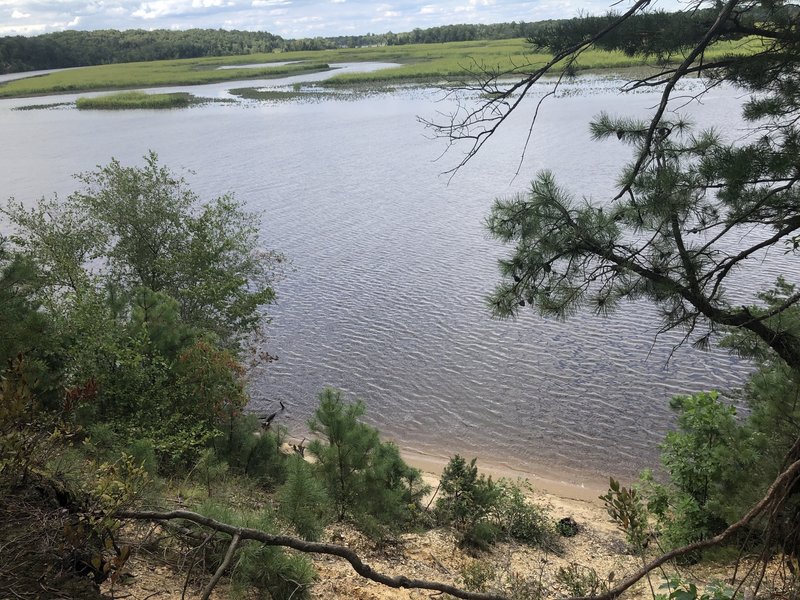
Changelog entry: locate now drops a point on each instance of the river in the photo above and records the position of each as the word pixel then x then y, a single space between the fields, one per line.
pixel 391 265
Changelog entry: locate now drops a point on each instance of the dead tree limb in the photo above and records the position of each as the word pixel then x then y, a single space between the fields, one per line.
pixel 225 563
pixel 349 555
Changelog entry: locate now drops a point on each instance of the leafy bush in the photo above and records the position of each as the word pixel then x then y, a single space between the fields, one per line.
pixel 522 520
pixel 483 511
pixel 704 458
pixel 582 581
pixel 626 507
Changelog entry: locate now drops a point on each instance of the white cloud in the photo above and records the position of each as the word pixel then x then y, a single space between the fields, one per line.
pixel 208 3
pixel 288 18
pixel 32 29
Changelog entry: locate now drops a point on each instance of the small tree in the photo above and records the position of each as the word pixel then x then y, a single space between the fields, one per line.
pixel 366 478
pixel 131 228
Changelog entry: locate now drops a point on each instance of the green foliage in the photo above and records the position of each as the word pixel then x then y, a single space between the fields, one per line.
pixel 130 100
pixel 483 511
pixel 143 454
pixel 25 329
pixel 278 574
pixel 146 294
pixel 466 498
pixel 678 589
pixel 705 458
pixel 210 470
pixel 522 520
pixel 150 231
pixel 582 581
pixel 274 572
pixel 249 451
pixel 691 208
pixel 303 500
pixel 625 507
pixel 365 478
pixel 477 575
pixel 27 437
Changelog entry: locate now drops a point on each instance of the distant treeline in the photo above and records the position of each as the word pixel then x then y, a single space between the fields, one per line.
pixel 83 48
pixel 432 35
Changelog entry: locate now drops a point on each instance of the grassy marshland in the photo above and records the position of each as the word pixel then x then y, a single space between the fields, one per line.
pixel 416 62
pixel 153 74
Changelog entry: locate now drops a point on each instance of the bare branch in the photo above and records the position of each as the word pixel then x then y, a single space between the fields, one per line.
pixel 222 567
pixel 349 555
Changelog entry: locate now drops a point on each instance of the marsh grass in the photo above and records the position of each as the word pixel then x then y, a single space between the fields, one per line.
pixel 300 94
pixel 42 106
pixel 153 74
pixel 426 63
pixel 277 95
pixel 136 99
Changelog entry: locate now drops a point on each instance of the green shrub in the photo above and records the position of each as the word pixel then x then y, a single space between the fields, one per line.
pixel 522 520
pixel 366 479
pixel 626 507
pixel 483 511
pixel 465 497
pixel 582 581
pixel 143 453
pixel 303 501
pixel 277 573
pixel 477 575
pixel 274 572
pixel 250 451
pixel 210 470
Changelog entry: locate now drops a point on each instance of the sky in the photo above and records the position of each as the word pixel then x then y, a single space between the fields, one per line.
pixel 287 18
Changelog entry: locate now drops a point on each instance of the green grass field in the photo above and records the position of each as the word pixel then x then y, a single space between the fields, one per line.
pixel 418 62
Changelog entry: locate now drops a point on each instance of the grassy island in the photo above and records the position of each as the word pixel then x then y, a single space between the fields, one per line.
pixel 136 99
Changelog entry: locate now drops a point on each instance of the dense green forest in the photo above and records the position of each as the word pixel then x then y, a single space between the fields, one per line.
pixel 84 48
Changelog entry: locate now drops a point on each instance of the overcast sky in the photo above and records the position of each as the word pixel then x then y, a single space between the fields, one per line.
pixel 287 18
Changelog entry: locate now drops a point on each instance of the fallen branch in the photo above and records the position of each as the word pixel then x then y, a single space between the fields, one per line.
pixel 225 563
pixel 245 533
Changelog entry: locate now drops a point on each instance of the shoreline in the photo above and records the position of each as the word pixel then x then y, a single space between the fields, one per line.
pixel 544 481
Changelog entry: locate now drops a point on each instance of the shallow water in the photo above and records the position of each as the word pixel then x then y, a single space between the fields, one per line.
pixel 391 264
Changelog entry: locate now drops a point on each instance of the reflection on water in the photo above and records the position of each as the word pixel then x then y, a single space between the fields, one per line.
pixel 391 265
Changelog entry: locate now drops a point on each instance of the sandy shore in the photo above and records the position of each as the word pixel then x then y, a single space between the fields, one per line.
pixel 547 481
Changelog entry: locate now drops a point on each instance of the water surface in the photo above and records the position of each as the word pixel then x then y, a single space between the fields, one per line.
pixel 391 265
